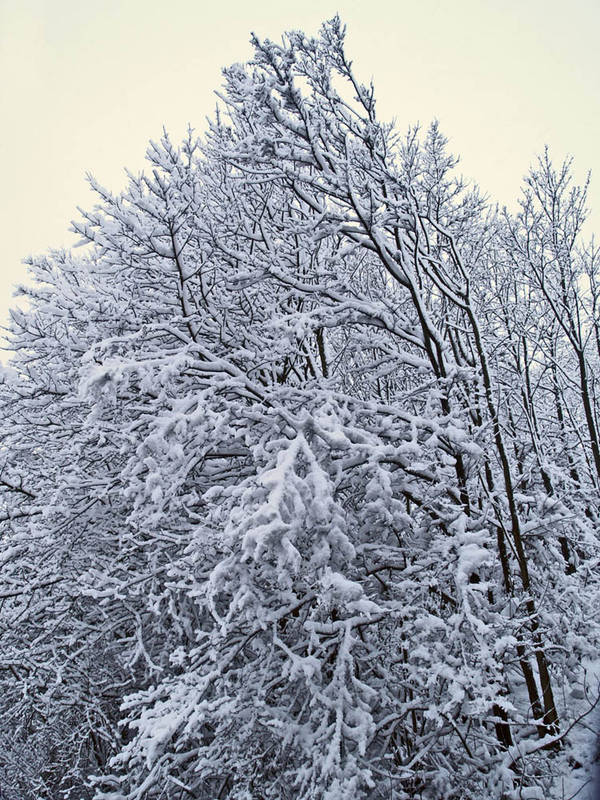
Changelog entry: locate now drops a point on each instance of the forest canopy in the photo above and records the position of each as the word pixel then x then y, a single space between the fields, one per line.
pixel 300 469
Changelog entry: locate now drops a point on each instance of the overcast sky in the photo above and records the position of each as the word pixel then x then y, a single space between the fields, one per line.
pixel 85 84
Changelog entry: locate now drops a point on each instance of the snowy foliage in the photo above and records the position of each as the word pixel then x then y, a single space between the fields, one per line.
pixel 299 487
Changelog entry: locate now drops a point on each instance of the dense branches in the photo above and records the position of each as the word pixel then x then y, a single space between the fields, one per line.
pixel 300 469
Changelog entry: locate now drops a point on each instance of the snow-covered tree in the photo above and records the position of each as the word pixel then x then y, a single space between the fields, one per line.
pixel 296 501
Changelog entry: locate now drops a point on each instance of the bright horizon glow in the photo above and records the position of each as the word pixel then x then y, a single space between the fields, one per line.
pixel 86 85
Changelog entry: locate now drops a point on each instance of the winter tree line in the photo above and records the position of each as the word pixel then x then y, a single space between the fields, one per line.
pixel 300 470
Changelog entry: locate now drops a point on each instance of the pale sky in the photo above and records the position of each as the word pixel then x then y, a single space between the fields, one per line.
pixel 85 83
